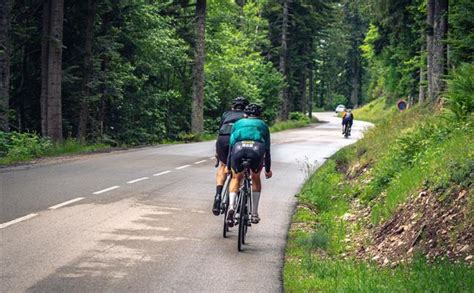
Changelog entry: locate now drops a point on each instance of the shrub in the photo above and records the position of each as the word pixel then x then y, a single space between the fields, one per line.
pixel 189 137
pixel 16 146
pixel 460 95
pixel 298 116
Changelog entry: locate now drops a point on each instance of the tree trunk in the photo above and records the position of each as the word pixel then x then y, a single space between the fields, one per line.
pixel 421 91
pixel 303 92
pixel 5 21
pixel 197 118
pixel 355 86
pixel 51 112
pixel 284 62
pixel 87 70
pixel 44 68
pixel 311 92
pixel 429 45
pixel 439 62
pixel 321 93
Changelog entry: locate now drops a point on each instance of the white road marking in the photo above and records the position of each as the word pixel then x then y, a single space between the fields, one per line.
pixel 17 220
pixel 107 189
pixel 137 180
pixel 65 203
pixel 162 173
pixel 199 162
pixel 182 167
pixel 212 158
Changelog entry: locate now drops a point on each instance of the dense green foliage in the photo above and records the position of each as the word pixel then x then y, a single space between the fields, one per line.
pixel 417 149
pixel 141 80
pixel 138 88
pixel 140 84
pixel 395 45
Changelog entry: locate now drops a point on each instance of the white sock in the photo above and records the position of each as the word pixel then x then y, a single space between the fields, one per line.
pixel 232 196
pixel 255 199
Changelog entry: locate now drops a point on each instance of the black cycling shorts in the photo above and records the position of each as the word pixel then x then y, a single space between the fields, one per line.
pixel 249 150
pixel 347 121
pixel 222 147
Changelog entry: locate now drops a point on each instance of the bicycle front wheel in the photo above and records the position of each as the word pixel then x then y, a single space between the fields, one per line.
pixel 225 208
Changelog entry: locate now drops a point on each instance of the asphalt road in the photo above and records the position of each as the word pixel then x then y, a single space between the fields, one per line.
pixel 140 220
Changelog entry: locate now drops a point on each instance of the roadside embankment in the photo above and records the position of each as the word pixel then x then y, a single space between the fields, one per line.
pixel 394 212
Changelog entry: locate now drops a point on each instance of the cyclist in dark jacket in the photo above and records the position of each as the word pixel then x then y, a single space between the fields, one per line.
pixel 222 145
pixel 347 119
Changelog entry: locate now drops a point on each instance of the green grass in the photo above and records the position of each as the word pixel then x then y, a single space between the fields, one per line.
pixel 375 111
pixel 290 124
pixel 314 274
pixel 405 152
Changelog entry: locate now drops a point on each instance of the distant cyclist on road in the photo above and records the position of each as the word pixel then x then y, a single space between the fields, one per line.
pixel 250 139
pixel 222 145
pixel 347 119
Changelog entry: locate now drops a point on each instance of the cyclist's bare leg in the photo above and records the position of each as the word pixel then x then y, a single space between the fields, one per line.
pixel 234 186
pixel 220 180
pixel 233 189
pixel 220 176
pixel 256 189
pixel 256 182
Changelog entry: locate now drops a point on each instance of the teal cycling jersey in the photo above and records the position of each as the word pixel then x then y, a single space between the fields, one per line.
pixel 252 129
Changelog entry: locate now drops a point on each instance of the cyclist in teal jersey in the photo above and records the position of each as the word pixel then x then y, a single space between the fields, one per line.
pixel 249 140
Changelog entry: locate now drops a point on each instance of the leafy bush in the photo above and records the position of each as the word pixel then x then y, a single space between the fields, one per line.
pixel 460 95
pixel 189 137
pixel 298 116
pixel 16 147
pixel 22 146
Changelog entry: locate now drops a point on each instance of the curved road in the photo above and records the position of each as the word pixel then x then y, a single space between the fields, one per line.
pixel 140 220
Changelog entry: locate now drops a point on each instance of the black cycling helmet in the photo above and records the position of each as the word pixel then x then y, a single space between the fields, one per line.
pixel 253 110
pixel 239 103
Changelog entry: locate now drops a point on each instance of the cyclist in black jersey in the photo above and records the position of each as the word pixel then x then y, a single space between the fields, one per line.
pixel 222 145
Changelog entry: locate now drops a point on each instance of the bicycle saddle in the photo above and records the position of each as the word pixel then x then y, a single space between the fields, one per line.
pixel 246 163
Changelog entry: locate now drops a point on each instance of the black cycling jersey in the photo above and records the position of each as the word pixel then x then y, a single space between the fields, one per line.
pixel 227 121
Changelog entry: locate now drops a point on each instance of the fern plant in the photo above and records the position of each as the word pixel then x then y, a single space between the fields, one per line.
pixel 460 94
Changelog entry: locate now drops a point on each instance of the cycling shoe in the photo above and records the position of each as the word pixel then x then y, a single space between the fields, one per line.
pixel 230 218
pixel 216 210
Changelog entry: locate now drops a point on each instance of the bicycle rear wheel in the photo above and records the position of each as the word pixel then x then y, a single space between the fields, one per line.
pixel 346 131
pixel 242 221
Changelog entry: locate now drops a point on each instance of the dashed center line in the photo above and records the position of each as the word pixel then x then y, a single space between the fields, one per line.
pixel 65 203
pixel 107 189
pixel 4 225
pixel 137 180
pixel 182 167
pixel 162 173
pixel 29 216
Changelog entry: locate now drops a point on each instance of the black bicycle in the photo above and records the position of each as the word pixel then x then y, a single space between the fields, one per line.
pixel 244 205
pixel 347 131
